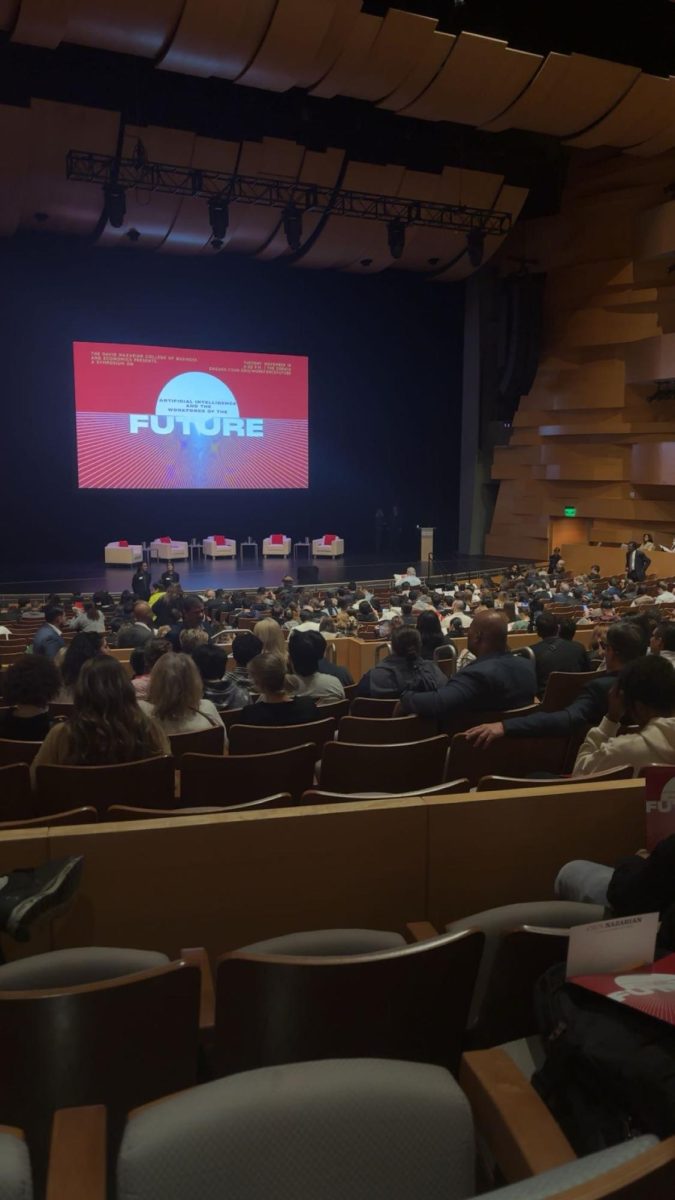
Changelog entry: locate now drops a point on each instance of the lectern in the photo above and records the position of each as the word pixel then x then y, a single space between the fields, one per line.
pixel 426 543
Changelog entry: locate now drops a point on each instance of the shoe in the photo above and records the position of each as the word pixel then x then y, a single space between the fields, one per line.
pixel 36 893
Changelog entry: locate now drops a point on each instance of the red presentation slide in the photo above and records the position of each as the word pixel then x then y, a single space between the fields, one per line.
pixel 161 417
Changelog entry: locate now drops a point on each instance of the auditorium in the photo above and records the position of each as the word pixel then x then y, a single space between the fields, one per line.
pixel 337 600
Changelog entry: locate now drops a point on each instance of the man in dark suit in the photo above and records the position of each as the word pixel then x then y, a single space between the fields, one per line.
pixel 48 639
pixel 625 642
pixel 497 680
pixel 555 652
pixel 637 563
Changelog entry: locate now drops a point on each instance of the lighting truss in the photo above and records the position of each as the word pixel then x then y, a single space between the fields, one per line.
pixel 83 166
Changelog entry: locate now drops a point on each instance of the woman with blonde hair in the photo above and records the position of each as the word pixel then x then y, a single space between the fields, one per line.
pixel 107 725
pixel 278 703
pixel 272 638
pixel 176 696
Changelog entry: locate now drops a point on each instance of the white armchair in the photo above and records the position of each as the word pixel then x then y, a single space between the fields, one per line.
pixel 217 546
pixel 328 546
pixel 277 545
pixel 118 554
pixel 168 551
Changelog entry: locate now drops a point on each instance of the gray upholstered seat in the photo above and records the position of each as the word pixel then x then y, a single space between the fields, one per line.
pixel 320 942
pixel 73 968
pixel 557 1182
pixel 546 914
pixel 362 1129
pixel 15 1171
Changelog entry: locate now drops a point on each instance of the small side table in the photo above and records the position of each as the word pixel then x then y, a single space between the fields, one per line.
pixel 194 549
pixel 300 546
pixel 248 545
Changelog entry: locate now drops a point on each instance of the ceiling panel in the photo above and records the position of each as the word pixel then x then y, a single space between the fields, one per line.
pixel 353 58
pixel 218 39
pixel 430 59
pixel 401 39
pixel 643 113
pixel 478 80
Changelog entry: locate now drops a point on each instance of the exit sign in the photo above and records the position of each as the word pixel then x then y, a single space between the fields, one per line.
pixel 569 511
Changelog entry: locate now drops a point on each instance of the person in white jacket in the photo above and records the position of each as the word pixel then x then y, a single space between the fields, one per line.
pixel 644 695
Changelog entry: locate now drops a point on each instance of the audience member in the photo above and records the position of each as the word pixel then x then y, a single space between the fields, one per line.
pixel 107 725
pixel 431 634
pixel 643 695
pixel 169 577
pixel 497 680
pixel 665 596
pixel 83 647
pixel 91 620
pixel 245 647
pixel 193 618
pixel 625 643
pixel 270 634
pixel 662 641
pixel 191 639
pixel 554 652
pixel 29 686
pixel 176 696
pixel 138 631
pixel 48 638
pixel 142 666
pixel 279 703
pixel 305 652
pixel 403 670
pixel 30 610
pixel 219 686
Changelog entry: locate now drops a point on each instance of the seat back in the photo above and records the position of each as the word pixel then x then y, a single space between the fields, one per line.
pixel 16 1179
pixel 119 1042
pixel 148 781
pixel 123 812
pixel 369 731
pixel 640 1169
pixel 85 815
pixel 506 756
pixel 350 767
pixel 261 739
pixel 563 687
pixel 16 798
pixel 505 1011
pixel 407 1003
pixel 317 796
pixel 201 741
pixel 339 1130
pixel 363 706
pixel 459 722
pixel 238 778
pixel 498 783
pixel 337 709
pixel 17 751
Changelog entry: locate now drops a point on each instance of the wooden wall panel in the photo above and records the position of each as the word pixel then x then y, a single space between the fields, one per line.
pixel 588 434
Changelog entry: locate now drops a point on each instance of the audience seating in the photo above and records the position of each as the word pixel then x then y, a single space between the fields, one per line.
pixel 495 783
pixel 344 994
pixel 347 766
pixel 506 756
pixel 337 709
pixel 317 796
pixel 123 812
pixel 117 1027
pixel 149 781
pixel 363 706
pixel 370 731
pixel 85 815
pixel 16 799
pixel 242 777
pixel 459 722
pixel 17 751
pixel 61 710
pixel 261 739
pixel 229 717
pixel 201 741
pixel 563 687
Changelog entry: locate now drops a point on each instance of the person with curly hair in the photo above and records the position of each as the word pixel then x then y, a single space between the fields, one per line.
pixel 30 684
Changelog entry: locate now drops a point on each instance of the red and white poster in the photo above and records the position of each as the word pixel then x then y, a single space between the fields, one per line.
pixel 650 990
pixel 164 417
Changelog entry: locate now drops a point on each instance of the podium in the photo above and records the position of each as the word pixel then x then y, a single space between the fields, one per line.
pixel 426 543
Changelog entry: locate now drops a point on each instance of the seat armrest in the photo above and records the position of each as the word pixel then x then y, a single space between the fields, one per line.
pixel 512 1118
pixel 196 956
pixel 421 931
pixel 77 1156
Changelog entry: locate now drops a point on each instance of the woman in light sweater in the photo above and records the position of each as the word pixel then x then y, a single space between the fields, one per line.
pixel 176 696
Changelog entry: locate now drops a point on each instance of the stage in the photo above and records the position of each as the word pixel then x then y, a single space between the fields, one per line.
pixel 231 574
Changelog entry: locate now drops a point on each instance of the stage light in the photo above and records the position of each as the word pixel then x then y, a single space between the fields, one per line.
pixel 396 237
pixel 133 235
pixel 475 244
pixel 115 204
pixel 293 227
pixel 219 217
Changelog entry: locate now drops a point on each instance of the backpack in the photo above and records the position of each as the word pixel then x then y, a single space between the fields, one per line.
pixel 609 1073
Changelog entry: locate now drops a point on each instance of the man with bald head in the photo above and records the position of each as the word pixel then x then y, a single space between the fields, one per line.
pixel 139 631
pixel 496 681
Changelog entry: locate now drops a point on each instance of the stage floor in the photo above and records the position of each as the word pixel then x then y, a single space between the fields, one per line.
pixel 230 574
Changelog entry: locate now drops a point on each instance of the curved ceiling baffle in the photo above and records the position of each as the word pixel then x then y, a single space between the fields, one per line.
pixel 344 239
pixel 322 168
pixel 401 38
pixel 140 27
pixel 191 231
pixel 152 214
pixel 642 114
pixel 432 55
pixel 454 185
pixel 568 93
pixel 479 79
pixel 217 40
